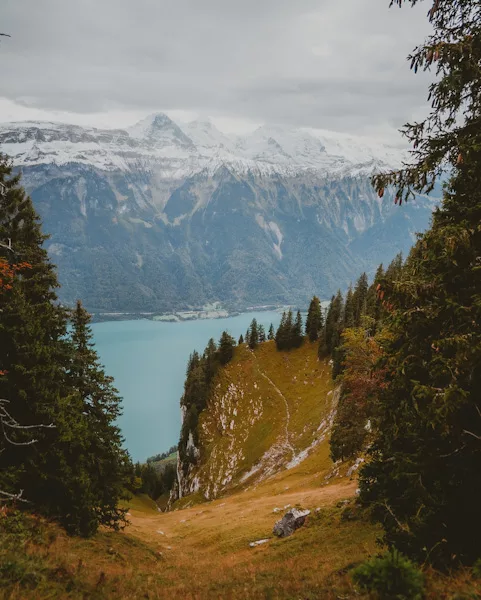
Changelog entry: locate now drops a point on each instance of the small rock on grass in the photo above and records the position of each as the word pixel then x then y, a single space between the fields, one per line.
pixel 258 543
pixel 292 520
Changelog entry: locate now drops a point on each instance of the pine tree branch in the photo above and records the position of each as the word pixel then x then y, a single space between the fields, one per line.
pixel 402 526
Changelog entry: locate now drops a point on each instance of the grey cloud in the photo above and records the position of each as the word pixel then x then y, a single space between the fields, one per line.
pixel 321 63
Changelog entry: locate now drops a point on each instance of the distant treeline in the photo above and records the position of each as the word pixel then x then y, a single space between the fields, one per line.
pixel 162 456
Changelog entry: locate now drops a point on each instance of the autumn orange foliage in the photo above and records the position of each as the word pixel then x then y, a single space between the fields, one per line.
pixel 8 272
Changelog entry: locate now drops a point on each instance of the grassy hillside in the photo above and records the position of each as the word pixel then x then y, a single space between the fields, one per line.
pixel 269 411
pixel 201 550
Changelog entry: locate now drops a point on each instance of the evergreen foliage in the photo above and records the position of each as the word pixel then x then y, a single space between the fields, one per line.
pixel 349 319
pixel 153 481
pixel 333 326
pixel 106 464
pixel 359 299
pixel 314 319
pixel 361 382
pixel 271 335
pixel 297 329
pixel 289 333
pixel 198 383
pixel 241 339
pixel 253 335
pixel 226 348
pixel 423 479
pixel 391 576
pixel 262 334
pixel 51 377
pixel 163 455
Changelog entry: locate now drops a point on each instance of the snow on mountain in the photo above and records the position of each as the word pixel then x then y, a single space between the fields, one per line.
pixel 176 151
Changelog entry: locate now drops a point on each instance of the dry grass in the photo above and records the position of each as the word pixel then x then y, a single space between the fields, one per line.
pixel 201 550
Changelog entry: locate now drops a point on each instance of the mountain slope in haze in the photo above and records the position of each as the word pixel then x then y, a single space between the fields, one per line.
pixel 165 217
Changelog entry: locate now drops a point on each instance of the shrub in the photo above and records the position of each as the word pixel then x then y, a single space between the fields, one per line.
pixel 477 569
pixel 391 577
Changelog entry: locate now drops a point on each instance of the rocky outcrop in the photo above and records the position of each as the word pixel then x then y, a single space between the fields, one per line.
pixel 151 221
pixel 292 520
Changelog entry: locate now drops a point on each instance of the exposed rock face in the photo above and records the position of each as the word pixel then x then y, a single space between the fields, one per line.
pixel 162 217
pixel 292 520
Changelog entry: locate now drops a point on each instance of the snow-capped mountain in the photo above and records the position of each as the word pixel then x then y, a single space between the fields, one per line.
pixel 167 215
pixel 194 147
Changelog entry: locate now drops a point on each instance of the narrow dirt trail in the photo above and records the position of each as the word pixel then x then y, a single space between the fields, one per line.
pixel 287 443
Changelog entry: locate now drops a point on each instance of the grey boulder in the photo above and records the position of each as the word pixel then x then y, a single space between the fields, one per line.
pixel 292 520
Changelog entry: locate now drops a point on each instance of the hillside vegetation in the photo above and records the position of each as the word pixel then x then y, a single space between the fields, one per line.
pixel 268 411
pixel 201 548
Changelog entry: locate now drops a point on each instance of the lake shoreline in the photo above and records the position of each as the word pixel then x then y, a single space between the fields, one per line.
pixel 147 360
pixel 206 313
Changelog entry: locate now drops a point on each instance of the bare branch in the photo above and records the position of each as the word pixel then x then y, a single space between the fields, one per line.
pixel 13 497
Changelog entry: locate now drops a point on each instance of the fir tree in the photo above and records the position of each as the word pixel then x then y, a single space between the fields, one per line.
pixel 226 348
pixel 282 335
pixel 297 328
pixel 253 334
pixel 210 360
pixel 262 334
pixel 105 460
pixel 423 478
pixel 314 319
pixel 373 304
pixel 271 334
pixel 359 298
pixel 56 472
pixel 394 270
pixel 333 326
pixel 349 310
pixel 241 340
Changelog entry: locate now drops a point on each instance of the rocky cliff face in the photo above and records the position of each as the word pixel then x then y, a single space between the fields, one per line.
pixel 268 412
pixel 164 217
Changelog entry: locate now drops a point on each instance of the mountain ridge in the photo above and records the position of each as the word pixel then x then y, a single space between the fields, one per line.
pixel 173 218
pixel 198 144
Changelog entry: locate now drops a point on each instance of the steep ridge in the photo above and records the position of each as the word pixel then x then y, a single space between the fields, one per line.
pixel 269 413
pixel 168 216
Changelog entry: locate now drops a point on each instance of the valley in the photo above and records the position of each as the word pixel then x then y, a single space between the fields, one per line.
pixel 202 548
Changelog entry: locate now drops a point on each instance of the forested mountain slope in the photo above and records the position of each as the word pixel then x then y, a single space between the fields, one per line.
pixel 169 216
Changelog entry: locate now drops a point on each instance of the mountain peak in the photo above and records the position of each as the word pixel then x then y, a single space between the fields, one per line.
pixel 159 128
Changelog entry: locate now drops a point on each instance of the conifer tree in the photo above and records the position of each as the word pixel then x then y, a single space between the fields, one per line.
pixel 241 339
pixel 37 355
pixel 349 310
pixel 262 334
pixel 394 270
pixel 314 319
pixel 282 334
pixel 373 303
pixel 271 334
pixel 333 326
pixel 210 360
pixel 423 479
pixel 253 334
pixel 297 329
pixel 226 348
pixel 359 298
pixel 106 463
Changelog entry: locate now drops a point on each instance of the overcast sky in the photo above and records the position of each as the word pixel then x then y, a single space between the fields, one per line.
pixel 332 64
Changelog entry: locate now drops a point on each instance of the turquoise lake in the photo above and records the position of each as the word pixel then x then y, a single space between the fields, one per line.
pixel 147 360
